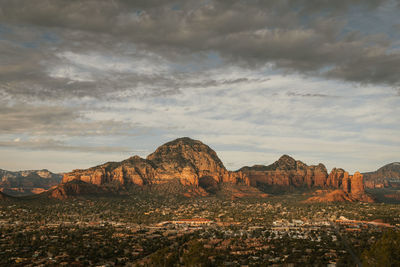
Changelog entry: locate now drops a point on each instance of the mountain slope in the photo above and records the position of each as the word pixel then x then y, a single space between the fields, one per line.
pixel 188 167
pixel 188 161
pixel 386 176
pixel 79 188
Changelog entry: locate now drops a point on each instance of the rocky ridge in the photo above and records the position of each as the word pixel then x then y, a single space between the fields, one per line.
pixel 189 161
pixel 188 167
pixel 287 173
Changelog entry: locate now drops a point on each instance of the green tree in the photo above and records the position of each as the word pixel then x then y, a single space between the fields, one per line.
pixel 196 254
pixel 385 252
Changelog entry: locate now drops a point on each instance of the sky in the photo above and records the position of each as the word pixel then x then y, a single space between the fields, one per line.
pixel 86 82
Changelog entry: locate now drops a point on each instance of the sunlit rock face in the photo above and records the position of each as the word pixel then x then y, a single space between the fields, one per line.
pixel 184 159
pixel 287 172
pixel 351 189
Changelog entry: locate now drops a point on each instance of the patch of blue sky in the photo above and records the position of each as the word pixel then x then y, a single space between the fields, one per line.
pixel 29 44
pixel 176 7
pixel 4 29
pixel 50 37
pixel 380 21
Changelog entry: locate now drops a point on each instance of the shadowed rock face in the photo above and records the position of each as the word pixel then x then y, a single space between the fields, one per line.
pixel 287 172
pixel 336 177
pixel 183 159
pixel 79 188
pixel 27 182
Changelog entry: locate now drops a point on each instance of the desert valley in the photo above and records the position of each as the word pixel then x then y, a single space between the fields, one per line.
pixel 200 133
pixel 181 206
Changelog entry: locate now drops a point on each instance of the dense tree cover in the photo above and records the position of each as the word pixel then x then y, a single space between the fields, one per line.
pixel 122 230
pixel 385 252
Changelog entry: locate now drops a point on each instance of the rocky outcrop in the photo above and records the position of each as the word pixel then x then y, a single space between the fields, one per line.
pixel 351 188
pixel 357 184
pixel 287 172
pixel 189 161
pixel 27 182
pixel 133 170
pixel 386 176
pixel 336 177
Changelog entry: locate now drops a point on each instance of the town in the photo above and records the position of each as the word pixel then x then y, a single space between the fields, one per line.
pixel 137 231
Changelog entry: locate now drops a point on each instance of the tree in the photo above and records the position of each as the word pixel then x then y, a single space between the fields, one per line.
pixel 196 254
pixel 385 252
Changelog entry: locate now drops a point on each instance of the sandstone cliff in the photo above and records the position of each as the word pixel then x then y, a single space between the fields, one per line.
pixel 189 161
pixel 287 172
pixel 351 188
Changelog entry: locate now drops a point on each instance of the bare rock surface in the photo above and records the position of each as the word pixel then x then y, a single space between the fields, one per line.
pixel 189 161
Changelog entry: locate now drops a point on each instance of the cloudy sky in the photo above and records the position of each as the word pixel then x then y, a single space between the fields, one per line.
pixel 85 82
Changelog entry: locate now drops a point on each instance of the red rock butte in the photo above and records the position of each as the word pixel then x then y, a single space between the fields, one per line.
pixel 189 161
pixel 194 164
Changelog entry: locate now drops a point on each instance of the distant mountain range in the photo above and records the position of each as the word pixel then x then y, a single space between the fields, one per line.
pixel 30 182
pixel 190 168
pixel 386 176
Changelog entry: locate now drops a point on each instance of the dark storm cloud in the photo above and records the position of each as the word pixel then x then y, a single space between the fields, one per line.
pixel 294 35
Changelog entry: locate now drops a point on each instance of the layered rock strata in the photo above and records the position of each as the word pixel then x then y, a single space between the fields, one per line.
pixel 288 173
pixel 183 159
